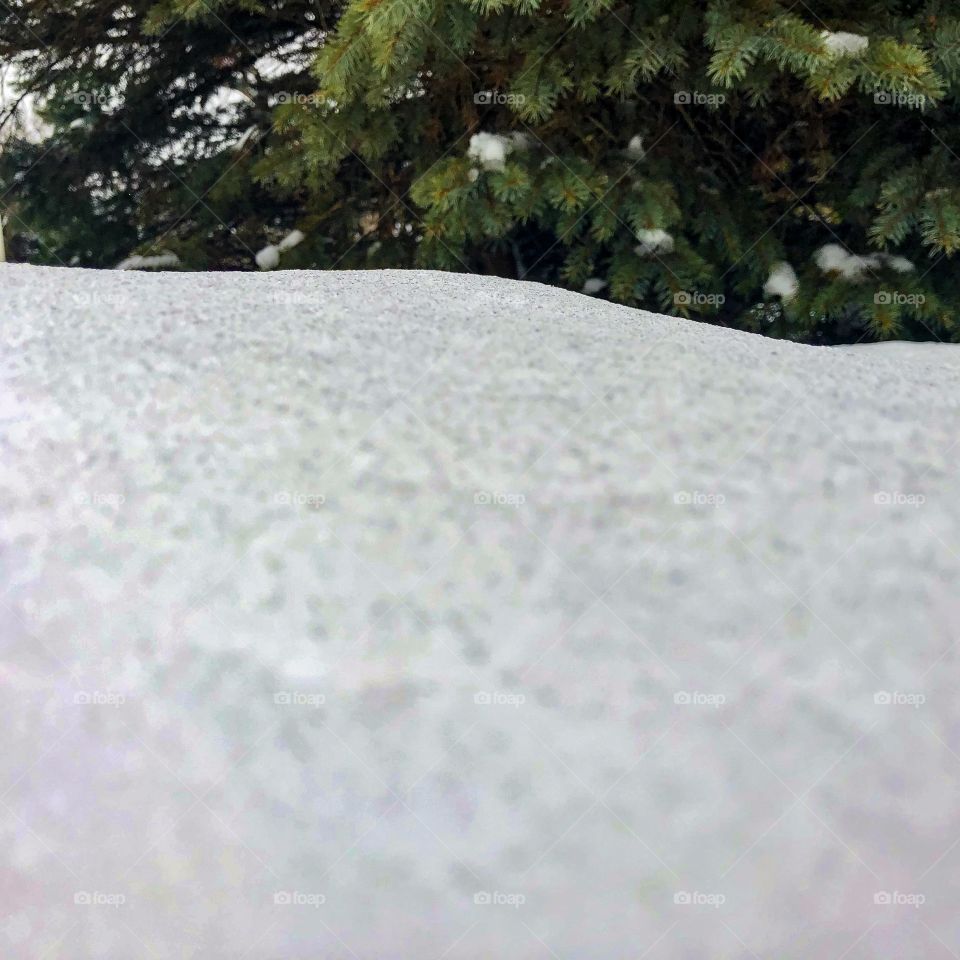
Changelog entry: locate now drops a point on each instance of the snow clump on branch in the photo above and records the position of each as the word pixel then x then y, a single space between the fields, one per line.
pixel 782 281
pixel 833 258
pixel 269 257
pixel 844 44
pixel 653 242
pixel 136 262
pixel 490 150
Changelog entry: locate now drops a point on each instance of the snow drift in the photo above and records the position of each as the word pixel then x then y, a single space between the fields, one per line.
pixel 367 615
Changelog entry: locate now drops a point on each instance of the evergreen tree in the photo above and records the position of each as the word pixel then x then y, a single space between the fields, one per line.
pixel 756 164
pixel 152 115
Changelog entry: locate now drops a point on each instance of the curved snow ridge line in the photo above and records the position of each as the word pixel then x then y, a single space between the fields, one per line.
pixel 927 352
pixel 537 297
pixel 313 294
pixel 349 610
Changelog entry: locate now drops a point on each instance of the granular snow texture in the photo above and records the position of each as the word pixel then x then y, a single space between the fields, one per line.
pixel 360 616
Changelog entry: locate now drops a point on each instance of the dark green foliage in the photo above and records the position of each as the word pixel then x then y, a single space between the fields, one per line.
pixel 762 142
pixel 135 159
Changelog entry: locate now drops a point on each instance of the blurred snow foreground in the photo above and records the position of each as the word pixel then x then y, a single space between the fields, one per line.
pixel 368 615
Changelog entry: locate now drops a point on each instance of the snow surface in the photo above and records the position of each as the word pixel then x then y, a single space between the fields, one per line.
pixel 931 352
pixel 372 615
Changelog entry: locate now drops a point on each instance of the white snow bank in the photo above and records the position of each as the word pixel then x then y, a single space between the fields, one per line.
pixel 356 615
pixel 927 352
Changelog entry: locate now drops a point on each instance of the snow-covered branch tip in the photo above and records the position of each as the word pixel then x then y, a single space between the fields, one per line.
pixel 653 242
pixel 833 258
pixel 490 150
pixel 157 262
pixel 842 44
pixel 269 257
pixel 782 282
